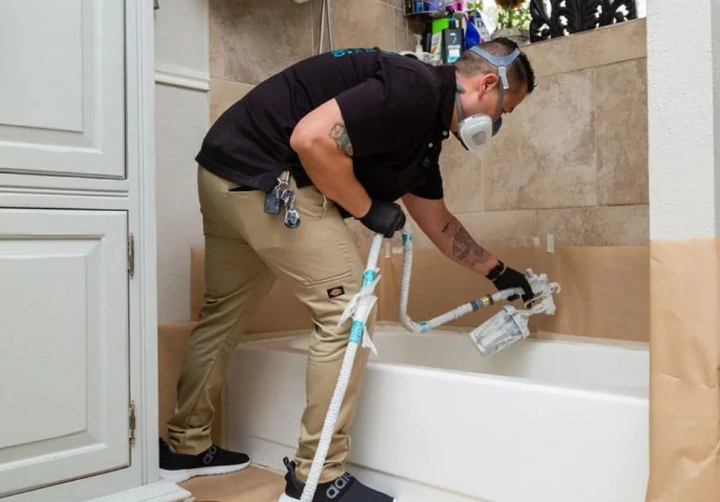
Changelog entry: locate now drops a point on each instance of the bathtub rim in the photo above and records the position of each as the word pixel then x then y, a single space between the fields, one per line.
pixel 267 336
pixel 273 342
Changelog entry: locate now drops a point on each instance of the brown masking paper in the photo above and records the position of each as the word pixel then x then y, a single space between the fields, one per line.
pixel 172 342
pixel 250 485
pixel 684 371
pixel 605 291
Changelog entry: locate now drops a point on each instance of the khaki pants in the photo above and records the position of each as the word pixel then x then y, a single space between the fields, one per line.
pixel 245 250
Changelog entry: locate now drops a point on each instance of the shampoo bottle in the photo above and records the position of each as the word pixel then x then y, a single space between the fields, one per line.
pixel 452 42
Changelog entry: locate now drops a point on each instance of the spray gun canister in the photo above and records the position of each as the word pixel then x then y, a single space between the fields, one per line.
pixel 500 331
pixel 510 325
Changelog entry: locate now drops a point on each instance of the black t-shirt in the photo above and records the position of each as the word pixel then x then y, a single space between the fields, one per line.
pixel 397 111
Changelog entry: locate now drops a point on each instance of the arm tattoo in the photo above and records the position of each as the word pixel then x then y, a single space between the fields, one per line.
pixel 464 248
pixel 340 135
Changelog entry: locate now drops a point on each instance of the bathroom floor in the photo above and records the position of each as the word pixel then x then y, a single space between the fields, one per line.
pixel 251 485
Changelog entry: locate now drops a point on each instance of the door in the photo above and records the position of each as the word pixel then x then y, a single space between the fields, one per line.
pixel 62 106
pixel 63 346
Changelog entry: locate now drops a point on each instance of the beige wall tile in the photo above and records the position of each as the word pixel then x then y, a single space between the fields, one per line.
pixel 589 49
pixel 317 19
pixel 502 228
pixel 398 4
pixel 596 226
pixel 622 133
pixel 403 37
pixel 462 177
pixel 545 154
pixel 254 39
pixel 368 23
pixel 224 94
pixel 491 230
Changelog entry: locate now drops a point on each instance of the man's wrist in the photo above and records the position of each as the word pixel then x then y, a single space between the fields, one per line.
pixel 364 209
pixel 493 268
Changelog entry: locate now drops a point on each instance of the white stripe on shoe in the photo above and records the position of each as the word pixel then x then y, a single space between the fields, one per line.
pixel 180 475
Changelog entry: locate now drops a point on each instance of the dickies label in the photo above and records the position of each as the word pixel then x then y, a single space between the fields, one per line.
pixel 335 292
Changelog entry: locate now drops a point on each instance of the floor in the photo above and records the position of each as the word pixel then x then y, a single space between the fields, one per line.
pixel 254 484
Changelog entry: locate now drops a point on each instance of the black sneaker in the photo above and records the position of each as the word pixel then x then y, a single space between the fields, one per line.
pixel 346 488
pixel 179 467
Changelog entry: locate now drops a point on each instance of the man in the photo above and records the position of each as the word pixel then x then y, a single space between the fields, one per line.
pixel 355 130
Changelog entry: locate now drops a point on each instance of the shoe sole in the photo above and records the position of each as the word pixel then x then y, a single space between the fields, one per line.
pixel 285 498
pixel 178 476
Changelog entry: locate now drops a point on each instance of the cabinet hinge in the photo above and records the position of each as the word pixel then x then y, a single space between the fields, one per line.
pixel 131 254
pixel 131 416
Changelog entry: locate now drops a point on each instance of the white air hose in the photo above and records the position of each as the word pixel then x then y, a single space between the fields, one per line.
pixel 360 307
pixel 452 315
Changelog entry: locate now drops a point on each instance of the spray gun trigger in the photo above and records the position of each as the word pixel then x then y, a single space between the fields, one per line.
pixel 543 293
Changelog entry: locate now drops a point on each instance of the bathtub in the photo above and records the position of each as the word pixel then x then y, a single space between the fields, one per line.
pixel 541 421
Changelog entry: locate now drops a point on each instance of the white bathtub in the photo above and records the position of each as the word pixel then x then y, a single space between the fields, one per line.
pixel 542 421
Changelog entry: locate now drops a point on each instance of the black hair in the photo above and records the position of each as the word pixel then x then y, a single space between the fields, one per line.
pixel 520 71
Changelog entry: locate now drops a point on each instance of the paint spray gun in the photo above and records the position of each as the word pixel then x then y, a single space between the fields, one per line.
pixel 510 325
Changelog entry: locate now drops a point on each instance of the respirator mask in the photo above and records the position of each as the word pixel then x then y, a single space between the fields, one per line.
pixel 476 131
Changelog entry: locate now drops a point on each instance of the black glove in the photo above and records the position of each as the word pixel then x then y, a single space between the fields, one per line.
pixel 384 217
pixel 504 277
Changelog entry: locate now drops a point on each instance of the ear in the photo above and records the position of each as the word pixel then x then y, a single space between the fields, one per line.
pixel 490 81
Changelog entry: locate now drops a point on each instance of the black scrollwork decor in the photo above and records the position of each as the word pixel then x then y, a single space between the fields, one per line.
pixel 558 18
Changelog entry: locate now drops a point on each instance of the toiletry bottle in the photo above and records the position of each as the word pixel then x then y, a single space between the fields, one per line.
pixel 418 47
pixel 452 42
pixel 438 25
pixel 472 36
pixel 427 38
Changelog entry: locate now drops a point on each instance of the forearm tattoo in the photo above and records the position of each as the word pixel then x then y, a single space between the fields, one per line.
pixel 464 248
pixel 342 140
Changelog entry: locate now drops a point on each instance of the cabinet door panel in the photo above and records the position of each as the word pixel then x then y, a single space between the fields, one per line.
pixel 63 346
pixel 62 104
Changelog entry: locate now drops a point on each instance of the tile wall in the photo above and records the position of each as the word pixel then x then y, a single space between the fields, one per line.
pixel 254 39
pixel 571 160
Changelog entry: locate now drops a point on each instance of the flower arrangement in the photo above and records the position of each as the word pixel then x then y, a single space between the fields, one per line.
pixel 513 14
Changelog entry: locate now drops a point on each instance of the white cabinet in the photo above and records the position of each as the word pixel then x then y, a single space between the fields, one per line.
pixel 62 96
pixel 78 324
pixel 63 346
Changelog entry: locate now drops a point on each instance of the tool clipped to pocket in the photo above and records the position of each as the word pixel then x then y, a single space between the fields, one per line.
pixel 272 198
pixel 281 193
pixel 292 217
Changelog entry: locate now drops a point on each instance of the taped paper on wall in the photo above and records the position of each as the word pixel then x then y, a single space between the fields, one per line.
pixel 605 291
pixel 685 371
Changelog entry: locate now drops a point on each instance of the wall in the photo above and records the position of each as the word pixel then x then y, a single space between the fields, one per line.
pixel 254 39
pixel 570 164
pixel 572 159
pixel 181 52
pixel 684 165
pixel 569 168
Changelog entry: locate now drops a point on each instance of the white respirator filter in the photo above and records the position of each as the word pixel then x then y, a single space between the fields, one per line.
pixel 476 132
